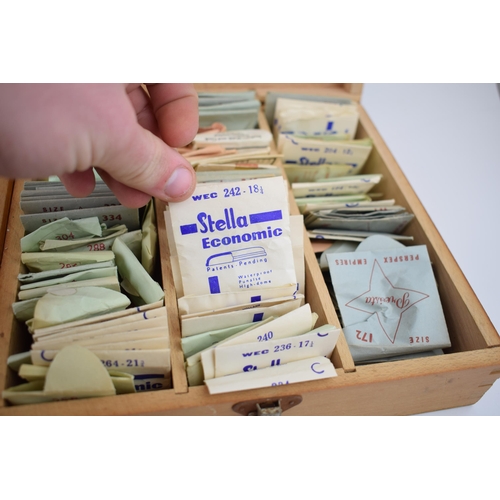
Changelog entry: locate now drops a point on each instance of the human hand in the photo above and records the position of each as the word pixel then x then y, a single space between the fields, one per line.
pixel 66 129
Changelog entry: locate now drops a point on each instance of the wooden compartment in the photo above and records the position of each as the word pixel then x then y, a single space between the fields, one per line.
pixel 459 377
pixel 6 186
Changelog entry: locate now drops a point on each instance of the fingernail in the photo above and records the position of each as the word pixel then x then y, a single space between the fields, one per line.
pixel 179 182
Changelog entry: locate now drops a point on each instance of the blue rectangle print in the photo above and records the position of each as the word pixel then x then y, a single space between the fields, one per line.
pixel 213 283
pixel 257 317
pixel 189 229
pixel 265 216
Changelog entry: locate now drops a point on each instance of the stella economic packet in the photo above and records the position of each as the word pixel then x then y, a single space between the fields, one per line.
pixel 234 236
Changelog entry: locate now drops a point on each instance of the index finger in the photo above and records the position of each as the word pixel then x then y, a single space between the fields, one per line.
pixel 175 106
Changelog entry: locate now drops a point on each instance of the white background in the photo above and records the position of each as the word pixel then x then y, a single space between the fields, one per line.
pixel 446 139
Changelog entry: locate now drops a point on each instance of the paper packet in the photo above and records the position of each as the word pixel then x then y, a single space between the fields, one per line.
pixel 192 304
pixel 388 301
pixel 294 116
pixel 131 269
pixel 297 371
pixel 299 150
pixel 61 230
pixel 234 236
pixel 201 324
pixel 74 374
pixel 46 261
pixel 63 306
pixel 252 356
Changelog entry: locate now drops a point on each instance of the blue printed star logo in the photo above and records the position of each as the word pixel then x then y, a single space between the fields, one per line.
pixel 387 301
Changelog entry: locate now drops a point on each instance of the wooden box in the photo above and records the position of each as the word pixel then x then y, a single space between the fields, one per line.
pixel 459 377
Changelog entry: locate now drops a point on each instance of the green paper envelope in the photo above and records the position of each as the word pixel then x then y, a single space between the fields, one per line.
pixel 64 230
pixel 131 269
pixel 63 306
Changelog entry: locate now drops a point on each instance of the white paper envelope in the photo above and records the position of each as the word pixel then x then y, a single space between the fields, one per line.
pixel 236 175
pixel 293 116
pixel 234 139
pixel 135 322
pixel 256 156
pixel 301 151
pixel 307 204
pixel 313 173
pixel 234 236
pixel 297 371
pixel 295 322
pixel 248 305
pixel 174 260
pixel 331 203
pixel 354 184
pixel 191 304
pixel 126 361
pixel 192 326
pixel 146 344
pixel 256 355
pixel 147 311
pixel 155 331
pixel 208 364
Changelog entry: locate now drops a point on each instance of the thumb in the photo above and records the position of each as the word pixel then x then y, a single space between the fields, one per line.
pixel 142 165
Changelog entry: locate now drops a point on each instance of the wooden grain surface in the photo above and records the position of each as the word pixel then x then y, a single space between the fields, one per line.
pixel 398 388
pixel 6 186
pixel 347 90
pixel 456 293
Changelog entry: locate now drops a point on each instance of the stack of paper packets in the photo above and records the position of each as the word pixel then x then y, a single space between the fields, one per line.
pixel 84 271
pixel 238 266
pixel 324 162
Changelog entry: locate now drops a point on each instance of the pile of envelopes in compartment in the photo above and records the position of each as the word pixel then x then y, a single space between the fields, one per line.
pixel 238 265
pixel 88 283
pixel 324 164
pixel 385 293
pixel 228 138
pixel 237 259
